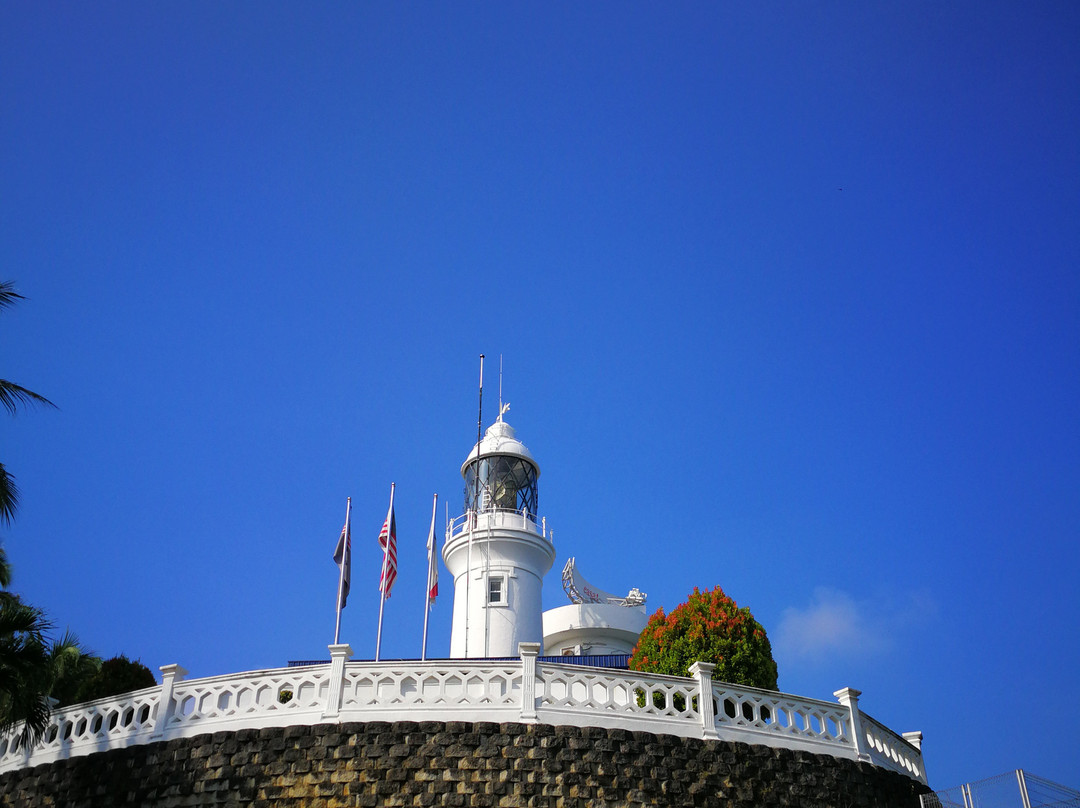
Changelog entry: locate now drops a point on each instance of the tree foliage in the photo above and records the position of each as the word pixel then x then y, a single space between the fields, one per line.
pixel 116 675
pixel 24 668
pixel 11 397
pixel 708 627
pixel 72 665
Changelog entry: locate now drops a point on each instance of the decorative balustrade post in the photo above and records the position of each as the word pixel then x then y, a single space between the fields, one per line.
pixel 339 655
pixel 913 738
pixel 529 652
pixel 170 675
pixel 849 697
pixel 704 671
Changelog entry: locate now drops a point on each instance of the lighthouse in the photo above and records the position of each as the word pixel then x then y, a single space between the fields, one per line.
pixel 498 550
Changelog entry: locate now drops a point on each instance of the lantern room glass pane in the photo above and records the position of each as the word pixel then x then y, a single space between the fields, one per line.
pixel 506 483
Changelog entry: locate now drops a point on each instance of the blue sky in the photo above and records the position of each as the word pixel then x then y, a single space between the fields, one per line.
pixel 788 299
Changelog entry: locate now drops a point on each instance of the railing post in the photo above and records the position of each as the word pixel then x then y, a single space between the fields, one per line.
pixel 704 671
pixel 1024 798
pixel 965 792
pixel 849 697
pixel 339 655
pixel 529 652
pixel 170 675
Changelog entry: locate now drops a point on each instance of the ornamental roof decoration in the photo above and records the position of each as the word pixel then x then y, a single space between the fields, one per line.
pixel 581 591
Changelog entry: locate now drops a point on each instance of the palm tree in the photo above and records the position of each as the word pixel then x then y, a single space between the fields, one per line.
pixel 11 396
pixel 33 672
pixel 71 667
pixel 23 662
pixel 24 669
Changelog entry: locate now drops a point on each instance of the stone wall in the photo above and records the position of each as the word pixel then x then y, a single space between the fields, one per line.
pixel 454 764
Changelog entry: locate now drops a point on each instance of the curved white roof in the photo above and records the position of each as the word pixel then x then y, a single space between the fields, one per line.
pixel 499 439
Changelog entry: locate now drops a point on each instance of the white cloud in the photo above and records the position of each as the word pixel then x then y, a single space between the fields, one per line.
pixel 835 625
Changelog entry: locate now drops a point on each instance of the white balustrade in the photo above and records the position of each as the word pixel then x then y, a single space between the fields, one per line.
pixel 445 690
pixel 526 691
pixel 89 727
pixel 780 719
pixel 583 696
pixel 247 700
pixel 891 751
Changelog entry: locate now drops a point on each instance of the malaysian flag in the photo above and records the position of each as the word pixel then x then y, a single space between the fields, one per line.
pixel 388 542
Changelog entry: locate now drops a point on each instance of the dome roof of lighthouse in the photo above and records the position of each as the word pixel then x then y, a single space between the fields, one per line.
pixel 499 439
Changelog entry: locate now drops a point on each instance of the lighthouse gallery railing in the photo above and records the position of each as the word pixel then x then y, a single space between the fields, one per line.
pixel 526 691
pixel 499 518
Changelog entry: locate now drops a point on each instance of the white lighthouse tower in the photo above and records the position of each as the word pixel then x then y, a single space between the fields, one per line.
pixel 498 550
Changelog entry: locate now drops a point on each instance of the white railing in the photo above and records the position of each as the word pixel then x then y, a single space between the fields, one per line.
pixel 588 697
pixel 499 517
pixel 444 690
pixel 891 751
pixel 89 727
pixel 780 719
pixel 528 691
pixel 247 700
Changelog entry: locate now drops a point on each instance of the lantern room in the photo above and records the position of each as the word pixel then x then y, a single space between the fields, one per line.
pixel 507 474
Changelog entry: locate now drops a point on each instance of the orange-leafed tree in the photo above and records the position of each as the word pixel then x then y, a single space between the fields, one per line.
pixel 709 627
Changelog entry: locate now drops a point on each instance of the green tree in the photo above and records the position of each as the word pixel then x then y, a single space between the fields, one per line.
pixel 11 396
pixel 115 676
pixel 709 627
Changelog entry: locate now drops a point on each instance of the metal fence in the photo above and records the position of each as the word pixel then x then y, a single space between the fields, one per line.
pixel 1016 789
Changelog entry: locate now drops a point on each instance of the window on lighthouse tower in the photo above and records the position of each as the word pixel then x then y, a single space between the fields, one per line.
pixel 496 590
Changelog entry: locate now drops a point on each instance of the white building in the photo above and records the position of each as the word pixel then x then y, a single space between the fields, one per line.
pixel 595 623
pixel 498 552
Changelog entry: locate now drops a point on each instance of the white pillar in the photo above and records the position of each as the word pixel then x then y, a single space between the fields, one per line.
pixel 170 675
pixel 849 697
pixel 704 671
pixel 529 652
pixel 339 655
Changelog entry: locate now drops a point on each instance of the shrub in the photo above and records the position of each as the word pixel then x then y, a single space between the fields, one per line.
pixel 709 627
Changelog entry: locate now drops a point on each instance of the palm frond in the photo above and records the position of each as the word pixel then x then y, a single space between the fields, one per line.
pixel 9 503
pixel 72 665
pixel 17 618
pixel 25 670
pixel 8 295
pixel 5 565
pixel 12 395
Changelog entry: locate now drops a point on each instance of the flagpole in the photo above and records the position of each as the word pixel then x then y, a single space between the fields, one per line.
pixel 382 578
pixel 476 504
pixel 432 562
pixel 341 570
